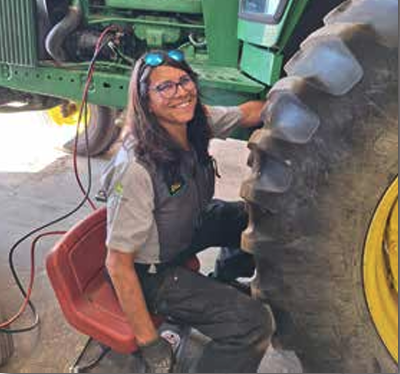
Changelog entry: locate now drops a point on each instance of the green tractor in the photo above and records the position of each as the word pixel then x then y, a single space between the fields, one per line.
pixel 323 191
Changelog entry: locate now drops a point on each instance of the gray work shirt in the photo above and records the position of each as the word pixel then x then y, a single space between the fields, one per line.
pixel 147 217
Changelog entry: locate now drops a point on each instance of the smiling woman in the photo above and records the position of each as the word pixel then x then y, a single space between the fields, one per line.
pixel 161 212
pixel 173 98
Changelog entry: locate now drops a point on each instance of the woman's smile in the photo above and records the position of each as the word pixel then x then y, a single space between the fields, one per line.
pixel 178 109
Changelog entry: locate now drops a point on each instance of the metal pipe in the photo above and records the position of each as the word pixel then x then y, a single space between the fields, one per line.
pixel 57 35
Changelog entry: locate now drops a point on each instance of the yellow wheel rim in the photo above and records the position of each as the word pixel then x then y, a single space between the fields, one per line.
pixel 381 269
pixel 68 115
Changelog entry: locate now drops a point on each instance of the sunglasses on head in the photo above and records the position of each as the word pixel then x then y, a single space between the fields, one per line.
pixel 154 59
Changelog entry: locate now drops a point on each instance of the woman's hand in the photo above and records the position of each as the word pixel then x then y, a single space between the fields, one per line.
pixel 158 356
pixel 251 113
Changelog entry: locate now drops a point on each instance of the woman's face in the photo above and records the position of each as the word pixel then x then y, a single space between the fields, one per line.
pixel 172 95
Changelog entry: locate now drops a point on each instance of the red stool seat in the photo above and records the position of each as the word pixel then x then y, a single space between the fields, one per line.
pixel 76 268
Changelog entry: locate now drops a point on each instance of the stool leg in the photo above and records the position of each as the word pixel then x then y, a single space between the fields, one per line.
pixel 76 368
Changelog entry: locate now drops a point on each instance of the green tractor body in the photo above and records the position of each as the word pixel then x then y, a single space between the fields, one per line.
pixel 237 47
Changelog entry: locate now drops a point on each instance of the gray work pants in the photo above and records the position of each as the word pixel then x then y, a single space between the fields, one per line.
pixel 240 327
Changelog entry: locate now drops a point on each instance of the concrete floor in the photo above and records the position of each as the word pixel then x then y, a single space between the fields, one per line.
pixel 36 186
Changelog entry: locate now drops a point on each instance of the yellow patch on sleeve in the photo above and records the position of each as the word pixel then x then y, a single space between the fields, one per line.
pixel 119 189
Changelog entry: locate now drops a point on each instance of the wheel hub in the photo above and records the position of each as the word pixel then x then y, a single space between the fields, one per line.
pixel 381 269
pixel 67 115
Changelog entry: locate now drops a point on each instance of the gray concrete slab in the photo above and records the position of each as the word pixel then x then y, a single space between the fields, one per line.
pixel 37 185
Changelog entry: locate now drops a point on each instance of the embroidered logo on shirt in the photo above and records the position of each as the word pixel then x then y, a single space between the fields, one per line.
pixel 175 187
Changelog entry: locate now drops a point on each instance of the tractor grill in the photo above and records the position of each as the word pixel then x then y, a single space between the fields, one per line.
pixel 18 32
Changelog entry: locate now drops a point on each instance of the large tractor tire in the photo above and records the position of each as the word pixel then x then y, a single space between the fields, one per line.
pixel 102 129
pixel 6 346
pixel 323 191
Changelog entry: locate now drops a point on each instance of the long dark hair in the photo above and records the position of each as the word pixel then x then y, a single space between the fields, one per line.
pixel 152 143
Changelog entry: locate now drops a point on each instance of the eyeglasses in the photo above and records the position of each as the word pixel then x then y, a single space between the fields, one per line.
pixel 154 59
pixel 169 89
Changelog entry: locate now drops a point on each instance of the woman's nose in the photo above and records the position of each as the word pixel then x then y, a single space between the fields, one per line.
pixel 180 91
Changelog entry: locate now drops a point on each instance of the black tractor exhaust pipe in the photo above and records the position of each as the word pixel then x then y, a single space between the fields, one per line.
pixel 57 35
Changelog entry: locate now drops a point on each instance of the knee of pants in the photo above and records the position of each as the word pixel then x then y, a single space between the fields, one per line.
pixel 267 326
pixel 259 323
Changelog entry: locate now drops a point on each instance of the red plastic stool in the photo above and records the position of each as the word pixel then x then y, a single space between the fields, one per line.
pixel 76 268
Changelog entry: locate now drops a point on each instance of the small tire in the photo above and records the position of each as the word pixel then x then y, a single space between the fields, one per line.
pixel 322 162
pixel 102 132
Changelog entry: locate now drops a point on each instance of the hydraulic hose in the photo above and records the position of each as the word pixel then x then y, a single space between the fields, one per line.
pixel 57 35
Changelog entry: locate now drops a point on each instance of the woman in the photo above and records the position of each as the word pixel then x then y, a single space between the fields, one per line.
pixel 160 212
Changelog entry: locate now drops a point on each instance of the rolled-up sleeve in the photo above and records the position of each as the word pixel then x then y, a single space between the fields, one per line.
pixel 223 120
pixel 130 211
